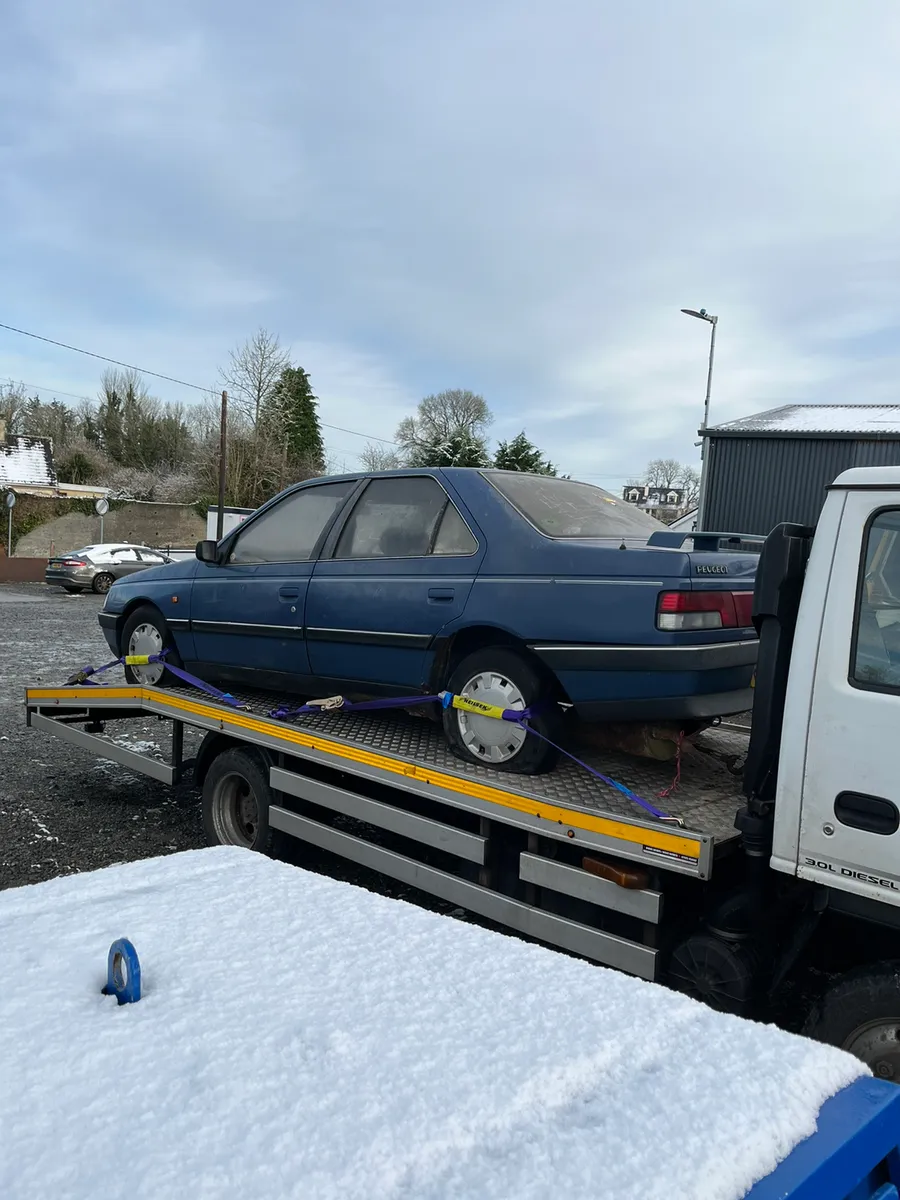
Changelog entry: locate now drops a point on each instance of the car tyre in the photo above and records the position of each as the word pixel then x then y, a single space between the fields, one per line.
pixel 508 679
pixel 860 1013
pixel 236 799
pixel 146 632
pixel 102 583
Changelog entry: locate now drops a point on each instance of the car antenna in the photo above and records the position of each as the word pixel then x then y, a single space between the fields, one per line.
pixel 623 546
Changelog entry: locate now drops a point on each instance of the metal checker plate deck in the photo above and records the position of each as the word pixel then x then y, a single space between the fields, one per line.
pixel 706 798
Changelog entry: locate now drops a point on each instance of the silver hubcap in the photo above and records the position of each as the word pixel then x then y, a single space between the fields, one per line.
pixel 486 738
pixel 878 1045
pixel 234 812
pixel 146 639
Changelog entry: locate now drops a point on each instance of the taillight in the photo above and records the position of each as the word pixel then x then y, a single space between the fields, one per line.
pixel 72 562
pixel 686 611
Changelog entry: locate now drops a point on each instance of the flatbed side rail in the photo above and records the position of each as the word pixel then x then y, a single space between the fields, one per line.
pixel 682 851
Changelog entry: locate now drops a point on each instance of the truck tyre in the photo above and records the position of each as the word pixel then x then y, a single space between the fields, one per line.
pixel 146 632
pixel 503 677
pixel 861 1014
pixel 236 799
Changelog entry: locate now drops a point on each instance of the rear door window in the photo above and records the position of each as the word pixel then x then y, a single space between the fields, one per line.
pixel 394 518
pixel 290 530
pixel 562 508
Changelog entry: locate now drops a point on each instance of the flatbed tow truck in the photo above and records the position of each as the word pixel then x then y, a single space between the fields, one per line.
pixel 784 851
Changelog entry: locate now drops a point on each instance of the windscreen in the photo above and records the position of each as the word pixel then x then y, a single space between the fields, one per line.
pixel 562 508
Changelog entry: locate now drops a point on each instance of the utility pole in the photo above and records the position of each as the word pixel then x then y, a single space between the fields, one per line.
pixel 223 459
pixel 703 315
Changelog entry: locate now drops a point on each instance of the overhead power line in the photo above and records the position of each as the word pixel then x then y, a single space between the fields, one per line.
pixel 156 375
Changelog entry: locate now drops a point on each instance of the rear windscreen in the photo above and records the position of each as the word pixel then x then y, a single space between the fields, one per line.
pixel 561 508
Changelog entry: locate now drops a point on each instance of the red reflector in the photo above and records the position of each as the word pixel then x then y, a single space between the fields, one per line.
pixel 743 606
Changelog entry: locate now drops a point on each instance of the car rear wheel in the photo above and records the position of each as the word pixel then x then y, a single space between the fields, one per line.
pixel 506 679
pixel 146 632
pixel 102 583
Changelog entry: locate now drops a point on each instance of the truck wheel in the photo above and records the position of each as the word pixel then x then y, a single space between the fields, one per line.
pixel 236 799
pixel 505 678
pixel 861 1014
pixel 146 632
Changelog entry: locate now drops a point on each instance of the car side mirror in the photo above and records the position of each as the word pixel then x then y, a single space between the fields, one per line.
pixel 207 552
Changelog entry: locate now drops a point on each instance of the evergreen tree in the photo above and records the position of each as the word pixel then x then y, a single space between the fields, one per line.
pixel 519 454
pixel 289 414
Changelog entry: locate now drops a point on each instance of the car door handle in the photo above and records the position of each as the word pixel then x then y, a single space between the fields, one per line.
pixel 289 593
pixel 440 595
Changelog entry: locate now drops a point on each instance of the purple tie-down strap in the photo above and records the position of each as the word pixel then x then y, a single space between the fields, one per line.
pixel 514 716
pixel 225 697
pixel 620 787
pixel 286 714
pixel 85 675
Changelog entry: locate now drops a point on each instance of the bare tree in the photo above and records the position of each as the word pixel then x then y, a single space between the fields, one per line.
pixel 448 430
pixel 379 458
pixel 253 371
pixel 690 481
pixel 13 403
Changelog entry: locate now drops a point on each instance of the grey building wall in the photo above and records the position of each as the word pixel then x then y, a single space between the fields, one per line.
pixel 754 483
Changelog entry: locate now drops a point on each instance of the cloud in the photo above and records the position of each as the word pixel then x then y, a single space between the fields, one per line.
pixel 517 197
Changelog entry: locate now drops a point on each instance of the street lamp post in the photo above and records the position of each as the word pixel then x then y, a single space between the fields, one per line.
pixel 703 315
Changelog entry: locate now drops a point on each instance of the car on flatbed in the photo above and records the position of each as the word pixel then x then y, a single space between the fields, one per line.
pixel 96 568
pixel 520 591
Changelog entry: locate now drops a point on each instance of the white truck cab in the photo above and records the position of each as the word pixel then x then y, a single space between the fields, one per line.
pixel 837 808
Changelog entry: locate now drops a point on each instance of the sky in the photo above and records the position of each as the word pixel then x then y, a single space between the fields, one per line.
pixel 512 196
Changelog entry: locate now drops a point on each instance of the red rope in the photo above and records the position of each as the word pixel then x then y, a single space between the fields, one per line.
pixel 666 792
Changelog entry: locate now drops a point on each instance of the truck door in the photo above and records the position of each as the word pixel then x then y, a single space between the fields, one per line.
pixel 850 813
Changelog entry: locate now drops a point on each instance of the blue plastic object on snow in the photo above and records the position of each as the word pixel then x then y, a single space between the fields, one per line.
pixel 123 972
pixel 853 1155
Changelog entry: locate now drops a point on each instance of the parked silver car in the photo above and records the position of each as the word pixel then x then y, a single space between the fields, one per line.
pixel 96 568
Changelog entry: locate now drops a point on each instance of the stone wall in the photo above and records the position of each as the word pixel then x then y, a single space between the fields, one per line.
pixel 137 521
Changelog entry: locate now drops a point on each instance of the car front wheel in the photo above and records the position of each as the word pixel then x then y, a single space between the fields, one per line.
pixel 505 679
pixel 146 632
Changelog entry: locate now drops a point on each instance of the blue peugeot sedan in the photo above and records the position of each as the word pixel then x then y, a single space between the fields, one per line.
pixel 518 590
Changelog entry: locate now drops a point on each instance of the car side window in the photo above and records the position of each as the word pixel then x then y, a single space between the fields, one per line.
pixel 149 556
pixel 290 530
pixel 394 518
pixel 126 554
pixel 454 535
pixel 876 655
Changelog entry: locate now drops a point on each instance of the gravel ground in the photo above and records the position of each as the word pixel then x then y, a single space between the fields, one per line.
pixel 61 809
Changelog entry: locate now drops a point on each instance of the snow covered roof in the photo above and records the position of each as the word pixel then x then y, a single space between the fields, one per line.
pixel 816 420
pixel 26 460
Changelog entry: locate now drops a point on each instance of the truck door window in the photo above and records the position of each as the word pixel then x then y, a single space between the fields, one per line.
pixel 876 655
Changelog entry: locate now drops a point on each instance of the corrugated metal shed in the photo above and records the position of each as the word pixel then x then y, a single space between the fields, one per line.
pixel 775 466
pixel 26 460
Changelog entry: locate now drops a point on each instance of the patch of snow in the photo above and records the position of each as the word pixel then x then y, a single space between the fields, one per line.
pixel 299 1037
